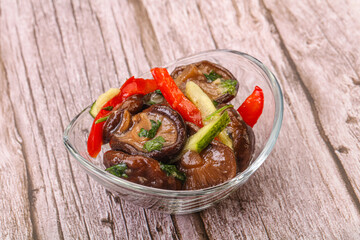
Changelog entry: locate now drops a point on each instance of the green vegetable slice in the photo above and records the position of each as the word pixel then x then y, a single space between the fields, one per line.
pixel 206 134
pixel 206 107
pixel 102 99
pixel 217 112
pixel 118 170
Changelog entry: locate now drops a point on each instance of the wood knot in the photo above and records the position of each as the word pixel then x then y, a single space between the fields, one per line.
pixel 107 221
pixel 343 149
pixel 351 119
pixel 159 228
pixel 355 81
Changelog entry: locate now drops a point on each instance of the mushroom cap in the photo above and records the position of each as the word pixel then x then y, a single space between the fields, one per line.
pixel 172 129
pixel 142 170
pixel 243 139
pixel 195 72
pixel 132 105
pixel 214 165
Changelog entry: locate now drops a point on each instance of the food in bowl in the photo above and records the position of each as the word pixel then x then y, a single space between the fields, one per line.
pixel 176 131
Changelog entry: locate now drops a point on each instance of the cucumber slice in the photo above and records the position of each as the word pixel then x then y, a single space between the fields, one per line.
pixel 102 99
pixel 206 107
pixel 206 134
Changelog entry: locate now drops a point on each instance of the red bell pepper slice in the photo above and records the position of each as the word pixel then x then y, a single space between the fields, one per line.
pixel 137 86
pixel 130 87
pixel 251 109
pixel 175 97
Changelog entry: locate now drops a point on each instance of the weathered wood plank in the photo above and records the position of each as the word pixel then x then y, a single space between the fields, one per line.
pixel 15 213
pixel 250 18
pixel 59 204
pixel 326 47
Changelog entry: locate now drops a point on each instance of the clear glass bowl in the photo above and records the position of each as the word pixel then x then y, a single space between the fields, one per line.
pixel 249 72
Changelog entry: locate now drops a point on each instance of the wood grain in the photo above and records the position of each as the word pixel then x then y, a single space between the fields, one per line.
pixel 57 56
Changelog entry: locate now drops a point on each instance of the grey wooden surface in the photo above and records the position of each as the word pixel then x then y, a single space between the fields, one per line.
pixel 57 56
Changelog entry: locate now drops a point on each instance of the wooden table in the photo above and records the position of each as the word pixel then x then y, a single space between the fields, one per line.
pixel 57 56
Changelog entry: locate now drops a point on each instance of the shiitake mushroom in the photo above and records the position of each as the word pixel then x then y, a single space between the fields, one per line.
pixel 139 169
pixel 213 165
pixel 243 139
pixel 171 130
pixel 216 81
pixel 120 115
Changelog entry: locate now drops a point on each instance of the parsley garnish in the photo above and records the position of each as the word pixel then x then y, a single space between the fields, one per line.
pixel 229 86
pixel 152 132
pixel 154 144
pixel 212 76
pixel 158 91
pixel 118 170
pixel 171 170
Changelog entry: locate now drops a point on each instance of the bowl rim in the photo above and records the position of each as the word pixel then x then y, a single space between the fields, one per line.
pixel 278 117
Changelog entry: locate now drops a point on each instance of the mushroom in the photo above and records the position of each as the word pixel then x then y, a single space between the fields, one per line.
pixel 120 113
pixel 216 81
pixel 139 169
pixel 243 139
pixel 214 165
pixel 167 139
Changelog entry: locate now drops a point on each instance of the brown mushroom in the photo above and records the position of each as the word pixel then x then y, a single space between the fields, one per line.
pixel 172 131
pixel 119 118
pixel 222 88
pixel 214 165
pixel 243 139
pixel 142 170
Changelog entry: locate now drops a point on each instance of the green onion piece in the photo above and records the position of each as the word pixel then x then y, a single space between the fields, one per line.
pixel 108 108
pixel 218 111
pixel 103 119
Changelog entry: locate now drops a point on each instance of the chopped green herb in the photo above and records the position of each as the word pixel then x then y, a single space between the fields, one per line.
pixel 154 144
pixel 118 170
pixel 108 108
pixel 158 91
pixel 171 170
pixel 229 86
pixel 102 119
pixel 212 76
pixel 217 112
pixel 152 132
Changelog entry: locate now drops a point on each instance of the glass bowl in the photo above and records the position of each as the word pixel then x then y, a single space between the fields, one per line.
pixel 249 72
